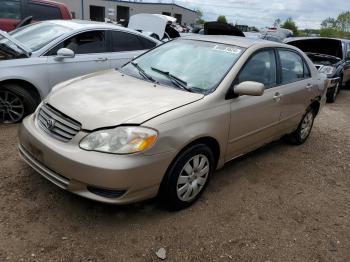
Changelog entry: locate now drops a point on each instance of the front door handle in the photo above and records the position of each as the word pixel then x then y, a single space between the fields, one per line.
pixel 277 97
pixel 101 59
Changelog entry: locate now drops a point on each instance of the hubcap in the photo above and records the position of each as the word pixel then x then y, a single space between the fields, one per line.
pixel 193 178
pixel 306 125
pixel 11 107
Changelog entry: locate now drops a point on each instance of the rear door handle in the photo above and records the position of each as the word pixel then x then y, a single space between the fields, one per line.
pixel 309 86
pixel 277 97
pixel 101 59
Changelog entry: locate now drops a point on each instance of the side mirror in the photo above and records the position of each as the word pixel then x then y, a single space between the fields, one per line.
pixel 249 88
pixel 64 53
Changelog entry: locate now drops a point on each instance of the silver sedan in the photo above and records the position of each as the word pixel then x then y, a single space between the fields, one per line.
pixel 35 58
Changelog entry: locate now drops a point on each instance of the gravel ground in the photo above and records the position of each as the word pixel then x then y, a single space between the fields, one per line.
pixel 279 203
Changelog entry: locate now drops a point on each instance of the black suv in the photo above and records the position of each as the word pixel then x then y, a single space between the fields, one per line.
pixel 331 56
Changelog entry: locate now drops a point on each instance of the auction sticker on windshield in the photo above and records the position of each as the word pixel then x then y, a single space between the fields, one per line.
pixel 231 50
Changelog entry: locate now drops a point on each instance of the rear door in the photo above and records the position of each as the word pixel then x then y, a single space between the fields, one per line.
pixel 10 14
pixel 255 119
pixel 296 88
pixel 91 55
pixel 124 46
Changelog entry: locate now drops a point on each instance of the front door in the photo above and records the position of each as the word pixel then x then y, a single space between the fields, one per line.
pixel 90 56
pixel 255 120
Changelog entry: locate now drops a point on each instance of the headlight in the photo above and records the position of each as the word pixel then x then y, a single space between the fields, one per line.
pixel 121 140
pixel 328 70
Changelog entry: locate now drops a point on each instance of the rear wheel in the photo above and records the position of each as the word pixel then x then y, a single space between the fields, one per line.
pixel 303 132
pixel 187 177
pixel 15 103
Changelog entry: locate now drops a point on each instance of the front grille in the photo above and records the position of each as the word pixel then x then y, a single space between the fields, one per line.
pixel 57 124
pixel 318 67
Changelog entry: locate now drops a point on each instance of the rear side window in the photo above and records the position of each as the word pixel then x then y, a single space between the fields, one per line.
pixel 122 41
pixel 292 65
pixel 147 44
pixel 84 43
pixel 10 9
pixel 261 68
pixel 42 12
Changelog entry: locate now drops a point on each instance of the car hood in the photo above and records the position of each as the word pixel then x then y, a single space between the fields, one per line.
pixel 109 98
pixel 323 59
pixel 10 44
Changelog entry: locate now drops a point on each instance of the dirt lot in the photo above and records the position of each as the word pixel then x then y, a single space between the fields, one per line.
pixel 280 203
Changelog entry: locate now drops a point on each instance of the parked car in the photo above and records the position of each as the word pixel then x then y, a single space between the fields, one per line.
pixel 155 127
pixel 13 11
pixel 35 58
pixel 257 35
pixel 160 27
pixel 330 56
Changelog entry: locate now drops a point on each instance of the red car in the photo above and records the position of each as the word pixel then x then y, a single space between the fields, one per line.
pixel 13 11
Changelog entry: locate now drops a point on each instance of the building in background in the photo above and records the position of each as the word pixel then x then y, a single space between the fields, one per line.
pixel 120 11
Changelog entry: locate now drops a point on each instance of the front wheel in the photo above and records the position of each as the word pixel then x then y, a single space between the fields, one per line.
pixel 15 103
pixel 187 177
pixel 303 131
pixel 334 93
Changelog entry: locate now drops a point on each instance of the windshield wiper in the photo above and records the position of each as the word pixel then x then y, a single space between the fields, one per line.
pixel 142 72
pixel 174 79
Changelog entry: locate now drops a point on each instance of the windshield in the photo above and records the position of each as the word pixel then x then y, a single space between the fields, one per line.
pixel 38 35
pixel 195 66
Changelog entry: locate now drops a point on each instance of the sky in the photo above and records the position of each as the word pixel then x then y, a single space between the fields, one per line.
pixel 307 13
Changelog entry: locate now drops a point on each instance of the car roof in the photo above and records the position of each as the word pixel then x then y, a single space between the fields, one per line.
pixel 244 42
pixel 82 24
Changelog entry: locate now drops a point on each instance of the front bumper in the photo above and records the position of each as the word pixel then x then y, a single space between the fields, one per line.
pixel 108 178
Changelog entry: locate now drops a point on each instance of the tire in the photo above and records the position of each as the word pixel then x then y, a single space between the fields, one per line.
pixel 299 136
pixel 331 97
pixel 187 177
pixel 15 103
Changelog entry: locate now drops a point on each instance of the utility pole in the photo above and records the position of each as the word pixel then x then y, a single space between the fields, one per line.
pixel 82 9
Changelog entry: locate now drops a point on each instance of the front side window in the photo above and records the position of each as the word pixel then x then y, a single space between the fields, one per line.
pixel 36 36
pixel 84 43
pixel 260 68
pixel 43 12
pixel 292 66
pixel 199 66
pixel 10 9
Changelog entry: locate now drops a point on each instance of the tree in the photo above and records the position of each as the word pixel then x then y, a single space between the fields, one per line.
pixel 222 19
pixel 200 20
pixel 338 28
pixel 329 23
pixel 343 22
pixel 277 22
pixel 291 25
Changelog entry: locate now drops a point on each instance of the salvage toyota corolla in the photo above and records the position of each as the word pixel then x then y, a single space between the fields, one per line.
pixel 163 123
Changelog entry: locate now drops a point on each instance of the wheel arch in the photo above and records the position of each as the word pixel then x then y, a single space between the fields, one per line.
pixel 23 83
pixel 316 105
pixel 209 141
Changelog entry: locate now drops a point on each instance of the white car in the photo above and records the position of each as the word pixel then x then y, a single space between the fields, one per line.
pixel 35 58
